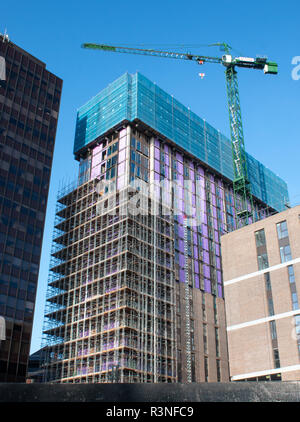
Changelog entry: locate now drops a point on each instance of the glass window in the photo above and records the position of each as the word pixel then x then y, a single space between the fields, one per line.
pixel 271 306
pixel 218 370
pixel 285 253
pixel 267 281
pixel 273 330
pixel 260 238
pixel 263 261
pixel 276 358
pixel 291 274
pixel 205 338
pixel 295 301
pixel 297 324
pixel 206 368
pixel 179 371
pixel 193 369
pixel 282 230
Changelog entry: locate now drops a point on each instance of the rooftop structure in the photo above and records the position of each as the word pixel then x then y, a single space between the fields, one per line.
pixel 135 98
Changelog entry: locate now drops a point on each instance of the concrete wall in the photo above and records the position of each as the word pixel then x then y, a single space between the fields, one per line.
pixel 151 393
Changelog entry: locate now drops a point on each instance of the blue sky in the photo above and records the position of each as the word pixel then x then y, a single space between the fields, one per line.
pixel 54 31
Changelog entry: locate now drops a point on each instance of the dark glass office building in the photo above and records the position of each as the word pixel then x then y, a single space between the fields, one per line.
pixel 29 106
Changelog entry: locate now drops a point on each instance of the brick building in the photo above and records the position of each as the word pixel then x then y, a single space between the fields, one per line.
pixel 261 270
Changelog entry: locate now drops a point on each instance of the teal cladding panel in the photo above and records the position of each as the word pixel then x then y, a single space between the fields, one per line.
pixel 136 97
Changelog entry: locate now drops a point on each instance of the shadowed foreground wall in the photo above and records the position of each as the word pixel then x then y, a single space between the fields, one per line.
pixel 195 392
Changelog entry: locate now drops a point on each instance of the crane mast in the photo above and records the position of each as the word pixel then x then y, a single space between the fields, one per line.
pixel 243 202
pixel 241 184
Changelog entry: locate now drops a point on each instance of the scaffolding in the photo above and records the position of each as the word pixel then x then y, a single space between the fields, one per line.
pixel 110 309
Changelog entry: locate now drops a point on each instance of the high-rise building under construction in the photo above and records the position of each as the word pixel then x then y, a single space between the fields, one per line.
pixel 135 288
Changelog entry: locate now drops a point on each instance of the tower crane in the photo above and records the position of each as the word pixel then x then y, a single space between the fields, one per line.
pixel 241 185
pixel 243 201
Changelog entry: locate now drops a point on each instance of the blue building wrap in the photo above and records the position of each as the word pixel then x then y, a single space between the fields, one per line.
pixel 134 96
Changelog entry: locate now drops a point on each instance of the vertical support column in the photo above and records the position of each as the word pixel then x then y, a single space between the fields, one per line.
pixel 127 162
pixel 154 211
pixel 187 307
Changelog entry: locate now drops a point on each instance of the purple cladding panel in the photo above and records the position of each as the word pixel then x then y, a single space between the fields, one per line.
pixel 181 245
pixel 196 252
pixel 180 182
pixel 180 220
pixel 95 172
pixel 215 224
pixel 121 168
pixel 216 235
pixel 156 177
pixel 207 285
pixel 206 257
pixel 96 160
pixel 97 149
pixel 180 231
pixel 156 166
pixel 213 200
pixel 196 267
pixel 217 249
pixel 219 277
pixel 204 230
pixel 122 155
pixel 206 271
pixel 181 260
pixel 156 188
pixel 122 143
pixel 205 243
pixel 167 157
pixel 181 205
pixel 200 171
pixel 181 275
pixel 195 237
pixel 157 143
pixel 218 263
pixel 220 290
pixel 179 157
pixel 156 154
pixel 180 167
pixel 197 281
